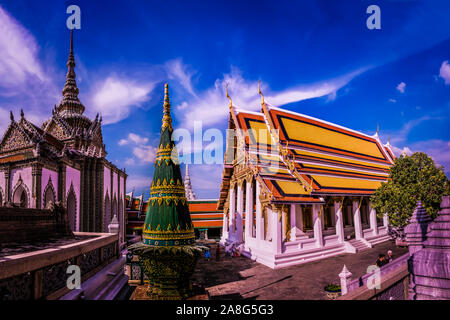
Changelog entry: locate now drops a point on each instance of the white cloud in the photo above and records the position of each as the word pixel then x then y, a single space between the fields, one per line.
pixel 115 97
pixel 444 72
pixel 18 58
pixel 210 106
pixel 130 161
pixel 146 154
pixel 392 100
pixel 401 87
pixel 138 182
pixel 133 138
pixel 438 150
pixel 178 71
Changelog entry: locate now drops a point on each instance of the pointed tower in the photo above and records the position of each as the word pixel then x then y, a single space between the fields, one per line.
pixel 70 107
pixel 190 195
pixel 167 252
pixel 167 222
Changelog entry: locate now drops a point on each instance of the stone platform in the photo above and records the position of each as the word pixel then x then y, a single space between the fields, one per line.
pixel 241 278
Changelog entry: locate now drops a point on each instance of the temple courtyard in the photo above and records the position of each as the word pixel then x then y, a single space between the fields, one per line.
pixel 242 278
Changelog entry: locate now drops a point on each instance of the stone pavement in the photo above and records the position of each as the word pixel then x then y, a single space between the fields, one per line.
pixel 242 278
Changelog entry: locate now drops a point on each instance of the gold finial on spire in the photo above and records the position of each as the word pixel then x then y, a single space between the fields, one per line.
pixel 259 91
pixel 389 139
pixel 167 119
pixel 378 128
pixel 228 96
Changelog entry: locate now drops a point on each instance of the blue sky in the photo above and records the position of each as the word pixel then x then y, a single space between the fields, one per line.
pixel 313 57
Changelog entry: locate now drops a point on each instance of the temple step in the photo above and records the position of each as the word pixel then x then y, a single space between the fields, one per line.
pixel 358 245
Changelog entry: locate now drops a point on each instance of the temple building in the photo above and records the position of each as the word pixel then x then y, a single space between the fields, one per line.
pixel 205 216
pixel 64 160
pixel 297 189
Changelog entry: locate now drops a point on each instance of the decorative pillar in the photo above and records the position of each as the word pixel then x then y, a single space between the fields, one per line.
pixel 345 277
pixel 8 184
pixel 275 217
pixel 339 220
pixel 357 219
pixel 317 221
pixel 293 223
pixel 417 228
pixel 373 220
pixel 36 182
pixel 248 209
pixel 239 213
pixel 259 220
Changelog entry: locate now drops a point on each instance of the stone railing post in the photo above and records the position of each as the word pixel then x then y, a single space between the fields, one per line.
pixel 345 277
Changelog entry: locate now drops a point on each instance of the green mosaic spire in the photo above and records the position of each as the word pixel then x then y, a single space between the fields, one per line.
pixel 167 222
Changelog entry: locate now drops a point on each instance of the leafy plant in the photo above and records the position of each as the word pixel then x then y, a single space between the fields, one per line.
pixel 332 287
pixel 411 178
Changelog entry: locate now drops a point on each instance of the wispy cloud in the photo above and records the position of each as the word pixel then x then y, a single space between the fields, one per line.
pixel 245 95
pixel 114 97
pixel 401 87
pixel 444 72
pixel 133 138
pixel 24 81
pixel 18 59
pixel 138 182
pixel 180 72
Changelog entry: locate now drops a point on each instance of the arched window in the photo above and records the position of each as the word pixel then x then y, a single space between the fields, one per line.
pixel 49 195
pixel 72 209
pixel 20 197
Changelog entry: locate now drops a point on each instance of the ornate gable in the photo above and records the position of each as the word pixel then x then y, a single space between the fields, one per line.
pixel 56 130
pixel 15 138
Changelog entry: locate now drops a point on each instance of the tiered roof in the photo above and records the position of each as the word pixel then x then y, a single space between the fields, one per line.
pixel 298 158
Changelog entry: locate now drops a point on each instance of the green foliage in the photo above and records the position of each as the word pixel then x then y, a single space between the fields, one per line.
pixel 411 178
pixel 332 287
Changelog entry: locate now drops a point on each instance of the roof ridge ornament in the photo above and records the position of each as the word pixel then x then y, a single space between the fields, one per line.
pixel 228 96
pixel 259 91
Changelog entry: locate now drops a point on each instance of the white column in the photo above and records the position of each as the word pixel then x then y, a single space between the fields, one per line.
pixel 373 220
pixel 225 228
pixel 293 223
pixel 248 210
pixel 317 220
pixel 276 230
pixel 339 221
pixel 259 220
pixel 239 213
pixel 231 216
pixel 357 220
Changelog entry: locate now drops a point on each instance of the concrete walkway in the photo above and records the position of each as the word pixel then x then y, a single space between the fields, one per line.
pixel 241 278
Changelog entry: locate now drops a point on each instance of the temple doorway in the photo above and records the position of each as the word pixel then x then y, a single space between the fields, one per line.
pixel 20 197
pixel 72 209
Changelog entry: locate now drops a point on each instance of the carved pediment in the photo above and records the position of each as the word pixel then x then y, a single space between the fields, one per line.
pixel 57 131
pixel 14 138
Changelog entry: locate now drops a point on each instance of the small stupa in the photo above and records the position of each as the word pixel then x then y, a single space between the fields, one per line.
pixel 168 253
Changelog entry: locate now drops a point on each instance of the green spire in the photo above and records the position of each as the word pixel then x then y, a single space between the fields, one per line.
pixel 168 222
